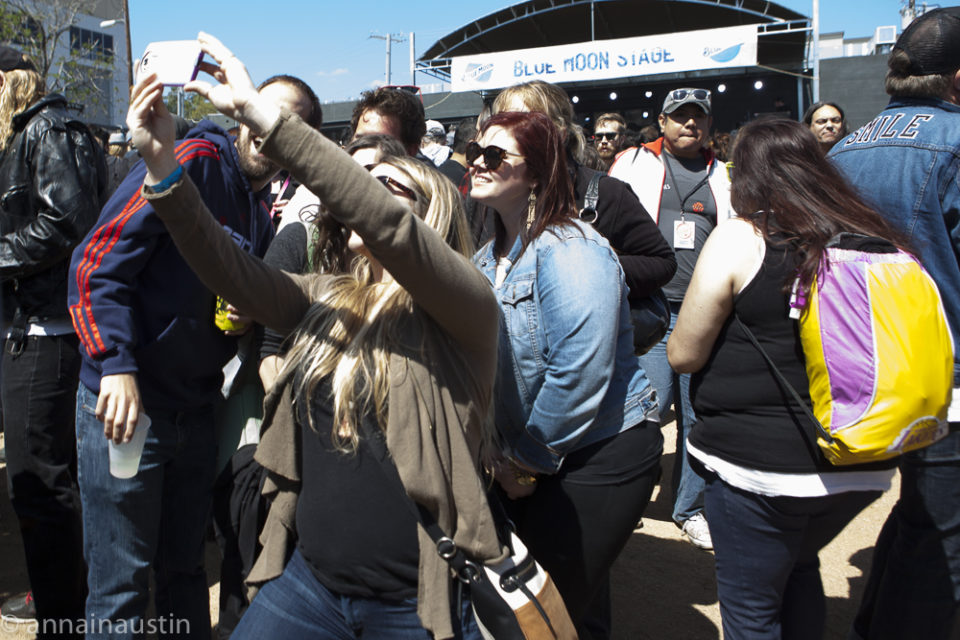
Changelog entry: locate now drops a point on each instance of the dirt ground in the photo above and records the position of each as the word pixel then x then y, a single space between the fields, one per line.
pixel 663 587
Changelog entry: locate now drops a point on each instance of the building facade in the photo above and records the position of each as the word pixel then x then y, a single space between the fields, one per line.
pixel 87 55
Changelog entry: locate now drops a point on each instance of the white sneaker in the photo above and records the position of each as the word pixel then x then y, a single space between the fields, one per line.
pixel 698 531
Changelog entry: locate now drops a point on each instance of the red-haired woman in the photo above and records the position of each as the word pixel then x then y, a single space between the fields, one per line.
pixel 572 403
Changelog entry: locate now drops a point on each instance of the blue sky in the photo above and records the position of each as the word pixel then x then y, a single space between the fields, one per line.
pixel 327 43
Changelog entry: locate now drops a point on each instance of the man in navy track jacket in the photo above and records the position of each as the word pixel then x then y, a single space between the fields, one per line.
pixel 150 345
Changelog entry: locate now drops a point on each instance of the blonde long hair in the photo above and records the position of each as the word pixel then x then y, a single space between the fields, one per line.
pixel 349 334
pixel 551 100
pixel 21 88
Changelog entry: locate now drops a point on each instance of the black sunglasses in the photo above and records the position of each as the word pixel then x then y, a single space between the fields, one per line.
pixel 397 188
pixel 698 94
pixel 605 135
pixel 493 156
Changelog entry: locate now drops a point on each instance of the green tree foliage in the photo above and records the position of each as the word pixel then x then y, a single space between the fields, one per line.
pixel 69 64
pixel 195 106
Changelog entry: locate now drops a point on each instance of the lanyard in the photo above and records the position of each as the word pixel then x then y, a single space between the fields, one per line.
pixel 674 186
pixel 273 209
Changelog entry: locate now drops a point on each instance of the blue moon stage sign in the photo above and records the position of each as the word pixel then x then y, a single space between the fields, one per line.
pixel 603 59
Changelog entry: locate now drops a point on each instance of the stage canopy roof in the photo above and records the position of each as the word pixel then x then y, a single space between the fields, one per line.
pixel 541 23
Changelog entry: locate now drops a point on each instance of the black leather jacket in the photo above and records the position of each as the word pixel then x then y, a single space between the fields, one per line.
pixel 52 177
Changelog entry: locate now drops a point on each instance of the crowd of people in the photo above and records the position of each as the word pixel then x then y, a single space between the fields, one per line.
pixel 453 314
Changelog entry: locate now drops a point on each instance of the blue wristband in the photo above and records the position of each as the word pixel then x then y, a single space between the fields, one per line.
pixel 169 181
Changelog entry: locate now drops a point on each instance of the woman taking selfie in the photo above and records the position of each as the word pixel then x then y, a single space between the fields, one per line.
pixel 773 499
pixel 572 405
pixel 402 350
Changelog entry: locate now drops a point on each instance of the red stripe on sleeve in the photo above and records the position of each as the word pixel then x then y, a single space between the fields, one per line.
pixel 103 241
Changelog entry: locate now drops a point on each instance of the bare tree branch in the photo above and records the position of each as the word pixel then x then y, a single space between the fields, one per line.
pixel 46 31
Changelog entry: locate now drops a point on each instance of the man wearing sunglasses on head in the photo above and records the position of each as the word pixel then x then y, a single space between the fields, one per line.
pixel 608 137
pixel 687 191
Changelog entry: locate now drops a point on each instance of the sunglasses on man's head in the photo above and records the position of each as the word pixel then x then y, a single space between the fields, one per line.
pixel 605 135
pixel 397 188
pixel 493 155
pixel 698 94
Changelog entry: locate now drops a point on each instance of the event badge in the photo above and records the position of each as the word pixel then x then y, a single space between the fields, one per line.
pixel 684 234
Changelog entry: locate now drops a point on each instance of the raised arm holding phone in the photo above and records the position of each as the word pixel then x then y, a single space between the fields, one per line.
pixel 402 350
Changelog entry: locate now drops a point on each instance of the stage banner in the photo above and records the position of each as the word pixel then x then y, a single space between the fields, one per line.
pixel 603 59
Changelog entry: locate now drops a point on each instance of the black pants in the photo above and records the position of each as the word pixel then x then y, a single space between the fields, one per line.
pixel 577 522
pixel 914 586
pixel 39 392
pixel 239 511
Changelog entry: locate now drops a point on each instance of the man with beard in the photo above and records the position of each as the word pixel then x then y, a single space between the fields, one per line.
pixel 151 347
pixel 608 137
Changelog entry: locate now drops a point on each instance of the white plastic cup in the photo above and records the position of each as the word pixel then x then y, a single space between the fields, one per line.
pixel 125 458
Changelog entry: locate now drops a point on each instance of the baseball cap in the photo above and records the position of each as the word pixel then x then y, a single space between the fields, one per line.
pixel 434 128
pixel 679 97
pixel 11 59
pixel 932 42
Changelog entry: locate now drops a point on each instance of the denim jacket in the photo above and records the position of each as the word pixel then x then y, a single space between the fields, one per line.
pixel 905 162
pixel 567 375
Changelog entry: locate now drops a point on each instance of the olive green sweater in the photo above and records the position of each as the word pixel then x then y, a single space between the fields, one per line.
pixel 439 394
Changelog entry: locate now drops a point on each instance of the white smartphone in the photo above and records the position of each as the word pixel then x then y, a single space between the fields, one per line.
pixel 176 62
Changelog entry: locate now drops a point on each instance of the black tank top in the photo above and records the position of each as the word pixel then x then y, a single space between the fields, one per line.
pixel 354 530
pixel 744 417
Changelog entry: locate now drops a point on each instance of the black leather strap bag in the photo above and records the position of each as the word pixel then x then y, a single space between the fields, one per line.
pixel 651 315
pixel 514 599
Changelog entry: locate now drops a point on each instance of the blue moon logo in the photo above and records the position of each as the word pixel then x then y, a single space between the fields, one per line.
pixel 727 54
pixel 478 72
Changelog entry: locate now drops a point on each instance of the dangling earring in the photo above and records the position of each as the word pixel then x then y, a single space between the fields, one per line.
pixel 531 208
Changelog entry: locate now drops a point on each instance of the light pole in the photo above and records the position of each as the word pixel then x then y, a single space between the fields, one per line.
pixel 106 24
pixel 390 38
pixel 816 50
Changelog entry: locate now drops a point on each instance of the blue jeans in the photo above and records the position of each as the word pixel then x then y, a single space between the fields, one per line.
pixel 673 389
pixel 768 572
pixel 914 586
pixel 157 518
pixel 296 605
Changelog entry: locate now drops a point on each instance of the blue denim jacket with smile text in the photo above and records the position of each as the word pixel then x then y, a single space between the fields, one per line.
pixel 567 373
pixel 906 163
